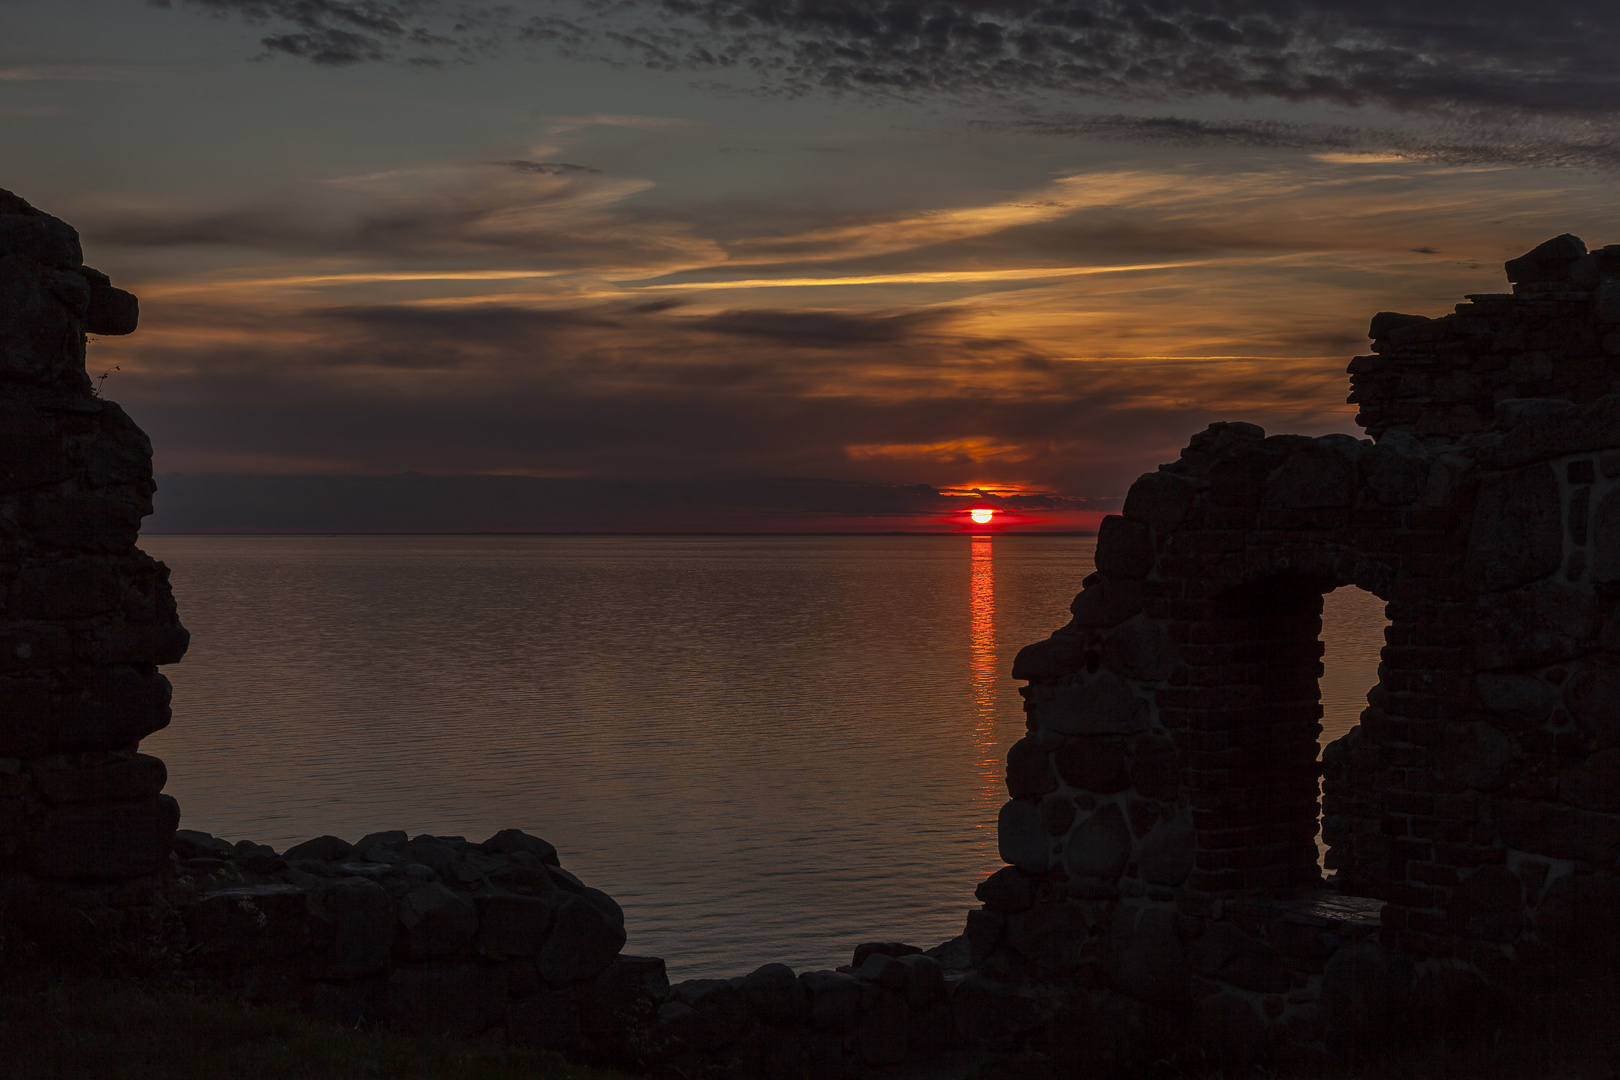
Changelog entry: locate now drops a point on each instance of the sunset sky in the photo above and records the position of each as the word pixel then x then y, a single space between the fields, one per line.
pixel 774 265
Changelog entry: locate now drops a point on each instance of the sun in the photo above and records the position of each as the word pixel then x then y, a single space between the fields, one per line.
pixel 981 515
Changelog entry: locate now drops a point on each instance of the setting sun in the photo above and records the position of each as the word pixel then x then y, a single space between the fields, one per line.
pixel 981 515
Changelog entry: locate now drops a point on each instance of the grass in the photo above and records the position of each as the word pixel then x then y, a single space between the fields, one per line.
pixel 59 1028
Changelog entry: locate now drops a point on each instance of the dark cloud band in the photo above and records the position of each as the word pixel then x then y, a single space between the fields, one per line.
pixel 1489 56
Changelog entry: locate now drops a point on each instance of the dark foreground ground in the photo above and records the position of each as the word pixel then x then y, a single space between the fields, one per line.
pixel 54 1027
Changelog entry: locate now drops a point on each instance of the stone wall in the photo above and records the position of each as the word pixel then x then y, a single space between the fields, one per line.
pixel 1169 777
pixel 85 616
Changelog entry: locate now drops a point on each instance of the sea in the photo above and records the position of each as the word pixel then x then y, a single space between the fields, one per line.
pixel 766 748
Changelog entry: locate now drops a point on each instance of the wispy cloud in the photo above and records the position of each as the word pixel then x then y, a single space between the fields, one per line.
pixel 1443 55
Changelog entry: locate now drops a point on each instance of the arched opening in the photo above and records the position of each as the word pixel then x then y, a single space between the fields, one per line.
pixel 1353 624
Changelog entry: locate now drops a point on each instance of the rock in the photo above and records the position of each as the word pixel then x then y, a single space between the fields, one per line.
pixel 1595 785
pixel 925 980
pixel 1100 846
pixel 1523 699
pixel 1059 655
pixel 1107 603
pixel 438 921
pixel 1167 852
pixel 511 926
pixel 1575 914
pixel 1489 905
pixel 1142 650
pixel 102 840
pixel 191 844
pixel 458 999
pixel 1051 935
pixel 1057 814
pixel 1559 832
pixel 1142 954
pixel 1159 500
pixel 1021 838
pixel 583 940
pixel 1547 261
pixel 1029 769
pixel 1475 755
pixel 1518 533
pixel 1592 697
pixel 251 924
pixel 1124 548
pixel 721 1006
pixel 1008 889
pixel 1093 764
pixel 775 996
pixel 1226 953
pixel 1315 477
pixel 887 948
pixel 884 970
pixel 989 1013
pixel 619 1003
pixel 984 931
pixel 1229 1026
pixel 546 1021
pixel 1540 624
pixel 1153 767
pixel 1365 991
pixel 111 312
pixel 322 848
pixel 835 999
pixel 512 841
pixel 40 239
pixel 1386 322
pixel 1605 549
pixel 881 1037
pixel 139 777
pixel 363 942
pixel 1103 704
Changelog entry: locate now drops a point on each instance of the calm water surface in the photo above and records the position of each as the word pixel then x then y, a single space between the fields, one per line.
pixel 765 748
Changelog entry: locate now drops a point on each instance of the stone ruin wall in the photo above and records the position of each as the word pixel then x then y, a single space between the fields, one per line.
pixel 86 616
pixel 1164 803
pixel 1163 890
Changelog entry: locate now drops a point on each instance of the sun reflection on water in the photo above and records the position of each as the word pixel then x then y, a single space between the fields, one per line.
pixel 984 671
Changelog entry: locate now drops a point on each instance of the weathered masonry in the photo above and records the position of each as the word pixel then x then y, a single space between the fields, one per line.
pixel 1164 803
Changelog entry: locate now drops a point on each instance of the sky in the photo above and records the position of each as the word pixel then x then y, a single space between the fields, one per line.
pixel 783 266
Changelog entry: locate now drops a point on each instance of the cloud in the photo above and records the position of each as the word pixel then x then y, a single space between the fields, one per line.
pixel 514 213
pixel 1447 56
pixel 1558 142
pixel 415 502
pixel 644 393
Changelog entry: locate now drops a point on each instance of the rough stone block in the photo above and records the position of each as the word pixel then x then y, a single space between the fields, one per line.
pixel 102 840
pixel 139 777
pixel 775 996
pixel 1226 953
pixel 438 921
pixel 1167 852
pixel 1102 704
pixel 1029 769
pixel 1159 500
pixel 1559 831
pixel 1051 935
pixel 1093 764
pixel 1544 623
pixel 1107 602
pixel 1143 955
pixel 1059 655
pixel 1518 533
pixel 583 940
pixel 1124 548
pixel 251 924
pixel 363 937
pixel 835 999
pixel 458 999
pixel 511 926
pixel 1021 838
pixel 1319 476
pixel 1142 650
pixel 1100 846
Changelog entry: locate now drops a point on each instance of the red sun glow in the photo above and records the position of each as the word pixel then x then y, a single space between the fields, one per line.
pixel 982 515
